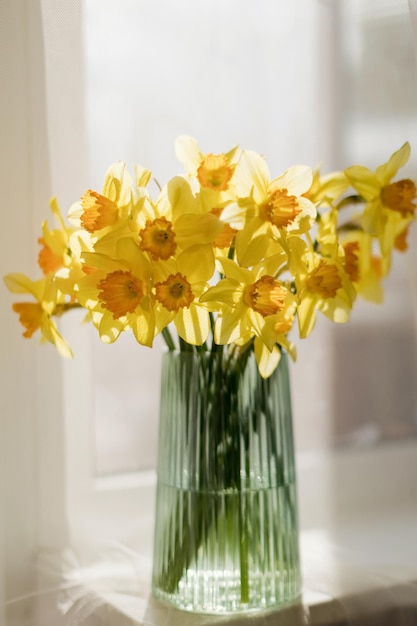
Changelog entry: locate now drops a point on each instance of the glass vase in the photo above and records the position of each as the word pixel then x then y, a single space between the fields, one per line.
pixel 226 532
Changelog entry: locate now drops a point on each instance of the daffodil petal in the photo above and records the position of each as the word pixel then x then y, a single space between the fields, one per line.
pixel 296 180
pixel 180 197
pixel 267 360
pixel 373 218
pixel 143 327
pixel 333 185
pixel 233 271
pixel 193 325
pixel 227 291
pixel 250 247
pixel 306 313
pixel 384 173
pixel 109 328
pixel 363 180
pixel 197 263
pixel 19 283
pixel 188 153
pixel 230 325
pixel 50 332
pixel 263 330
pixel 142 176
pixel 238 215
pixel 191 229
pixel 252 176
pixel 102 262
pixel 335 309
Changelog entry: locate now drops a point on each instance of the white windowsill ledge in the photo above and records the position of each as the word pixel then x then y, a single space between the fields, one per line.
pixel 358 549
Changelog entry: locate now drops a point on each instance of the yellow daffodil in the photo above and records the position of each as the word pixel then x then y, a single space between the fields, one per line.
pixel 267 209
pixel 214 173
pixel 178 286
pixel 386 201
pixel 97 212
pixel 37 315
pixel 118 291
pixel 54 253
pixel 66 277
pixel 353 249
pixel 252 302
pixel 322 284
pixel 163 229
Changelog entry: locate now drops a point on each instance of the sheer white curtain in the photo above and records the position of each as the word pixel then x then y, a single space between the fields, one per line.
pixel 42 153
pixel 25 185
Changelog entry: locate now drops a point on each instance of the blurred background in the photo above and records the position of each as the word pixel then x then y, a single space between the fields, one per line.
pixel 329 83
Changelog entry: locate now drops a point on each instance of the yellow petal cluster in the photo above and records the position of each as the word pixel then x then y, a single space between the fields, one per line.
pixel 226 253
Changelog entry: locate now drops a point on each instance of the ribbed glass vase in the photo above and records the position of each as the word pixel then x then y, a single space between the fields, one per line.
pixel 226 533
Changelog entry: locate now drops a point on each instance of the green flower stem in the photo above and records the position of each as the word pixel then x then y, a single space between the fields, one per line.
pixel 243 550
pixel 168 339
pixel 60 309
pixel 231 381
pixel 186 545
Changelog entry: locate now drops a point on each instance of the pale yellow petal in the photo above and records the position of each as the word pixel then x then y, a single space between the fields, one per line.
pixel 103 262
pixel 180 196
pixel 262 329
pixel 267 360
pixel 332 186
pixel 363 180
pixel 335 309
pixel 109 328
pixel 188 153
pixel 384 173
pixel 252 176
pixel 306 313
pixel 373 218
pixel 50 332
pixel 143 325
pixel 226 291
pixel 193 325
pixel 252 244
pixel 19 283
pixel 197 229
pixel 234 271
pixel 297 180
pixel 197 263
pixel 237 215
pixel 117 183
pixel 231 326
pixel 142 175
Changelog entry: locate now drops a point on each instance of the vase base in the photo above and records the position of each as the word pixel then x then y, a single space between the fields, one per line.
pixel 213 593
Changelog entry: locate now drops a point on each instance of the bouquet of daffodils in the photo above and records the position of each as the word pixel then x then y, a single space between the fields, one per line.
pixel 234 259
pixel 226 253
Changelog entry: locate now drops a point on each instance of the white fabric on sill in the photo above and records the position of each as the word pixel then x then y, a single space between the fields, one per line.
pixel 361 574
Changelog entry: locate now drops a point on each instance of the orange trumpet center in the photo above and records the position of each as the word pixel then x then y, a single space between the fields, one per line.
pixel 266 296
pixel 120 293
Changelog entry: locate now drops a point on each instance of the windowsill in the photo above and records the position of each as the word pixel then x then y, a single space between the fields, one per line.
pixel 359 555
